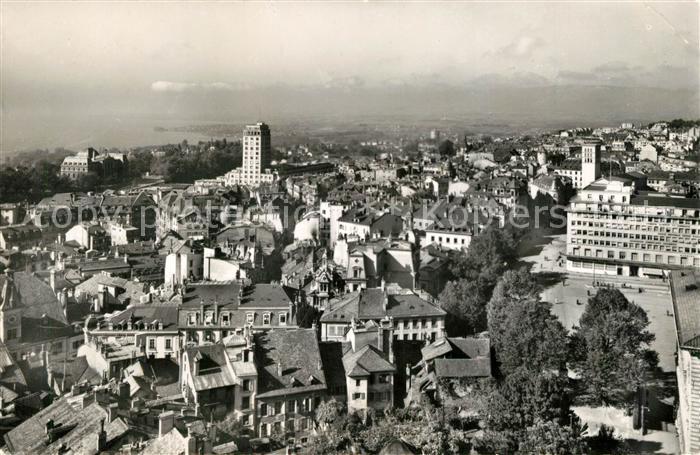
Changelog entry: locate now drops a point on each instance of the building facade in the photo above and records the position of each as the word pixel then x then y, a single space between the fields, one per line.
pixel 616 229
pixel 257 151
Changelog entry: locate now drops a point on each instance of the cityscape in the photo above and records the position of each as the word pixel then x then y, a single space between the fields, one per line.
pixel 500 259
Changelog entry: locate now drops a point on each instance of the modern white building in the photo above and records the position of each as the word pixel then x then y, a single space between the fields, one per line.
pixel 614 228
pixel 257 151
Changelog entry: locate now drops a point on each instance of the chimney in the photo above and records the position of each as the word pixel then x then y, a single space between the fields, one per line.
pixel 279 369
pixel 49 426
pixel 124 390
pixel 52 279
pixel 191 445
pixel 166 422
pixel 112 411
pixel 196 359
pixel 102 437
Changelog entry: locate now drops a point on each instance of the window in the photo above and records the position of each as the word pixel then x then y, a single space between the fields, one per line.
pixel 247 385
pixel 266 318
pixel 151 343
pixel 358 382
pixel 168 344
pixel 291 406
pixel 225 319
pixel 358 396
pixel 278 407
pixel 245 403
pixel 263 409
pixel 283 318
pixel 191 318
pixel 250 318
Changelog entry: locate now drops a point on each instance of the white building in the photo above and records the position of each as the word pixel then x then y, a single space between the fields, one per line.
pixel 257 153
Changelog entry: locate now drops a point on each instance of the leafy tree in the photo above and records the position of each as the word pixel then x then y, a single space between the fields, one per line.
pixel 446 148
pixel 515 285
pixel 329 412
pixel 488 257
pixel 549 438
pixel 524 333
pixel 465 304
pixel 612 347
pixel 521 401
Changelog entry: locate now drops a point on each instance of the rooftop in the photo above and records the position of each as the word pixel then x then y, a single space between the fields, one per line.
pixel 685 289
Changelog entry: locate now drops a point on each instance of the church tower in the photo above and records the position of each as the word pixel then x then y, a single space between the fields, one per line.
pixel 590 164
pixel 10 310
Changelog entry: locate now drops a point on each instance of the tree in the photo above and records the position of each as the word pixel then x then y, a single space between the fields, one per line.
pixel 549 438
pixel 524 333
pixel 329 412
pixel 612 348
pixel 520 402
pixel 465 304
pixel 446 148
pixel 488 257
pixel 514 285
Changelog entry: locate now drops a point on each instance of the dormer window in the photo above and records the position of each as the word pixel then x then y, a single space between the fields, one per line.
pixel 208 318
pixel 191 318
pixel 225 319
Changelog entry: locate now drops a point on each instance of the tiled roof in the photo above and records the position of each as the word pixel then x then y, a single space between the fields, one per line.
pixel 366 361
pixel 296 352
pixel 685 289
pixel 148 313
pixel 369 304
pixel 463 368
pixel 214 371
pixel 80 426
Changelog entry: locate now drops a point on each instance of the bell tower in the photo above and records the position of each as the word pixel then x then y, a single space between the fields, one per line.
pixel 590 164
pixel 10 310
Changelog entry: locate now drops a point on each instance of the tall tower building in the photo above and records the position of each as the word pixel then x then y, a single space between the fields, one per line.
pixel 257 151
pixel 590 164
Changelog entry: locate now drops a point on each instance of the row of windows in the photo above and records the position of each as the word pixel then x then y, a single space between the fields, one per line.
pixel 669 247
pixel 289 406
pixel 646 257
pixel 447 239
pixel 152 344
pixel 269 429
pixel 625 235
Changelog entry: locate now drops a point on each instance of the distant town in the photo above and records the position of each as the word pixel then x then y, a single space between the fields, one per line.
pixel 438 293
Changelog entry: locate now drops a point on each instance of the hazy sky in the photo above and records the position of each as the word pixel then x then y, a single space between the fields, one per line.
pixel 125 53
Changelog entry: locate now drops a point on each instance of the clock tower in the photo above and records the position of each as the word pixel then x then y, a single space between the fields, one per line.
pixel 10 310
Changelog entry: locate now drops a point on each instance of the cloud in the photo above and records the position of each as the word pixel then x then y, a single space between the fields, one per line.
pixel 522 46
pixel 181 87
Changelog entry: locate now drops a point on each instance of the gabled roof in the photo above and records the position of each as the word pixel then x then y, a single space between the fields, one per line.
pixel 80 428
pixel 369 304
pixel 214 370
pixel 296 354
pixel 365 361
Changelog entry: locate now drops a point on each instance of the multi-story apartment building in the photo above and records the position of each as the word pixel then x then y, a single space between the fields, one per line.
pixel 210 311
pixel 616 229
pixel 413 317
pixel 685 289
pixel 257 151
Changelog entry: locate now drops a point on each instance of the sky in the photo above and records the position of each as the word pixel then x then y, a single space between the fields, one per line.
pixel 141 57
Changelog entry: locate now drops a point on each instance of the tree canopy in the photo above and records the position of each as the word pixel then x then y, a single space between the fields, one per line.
pixel 612 347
